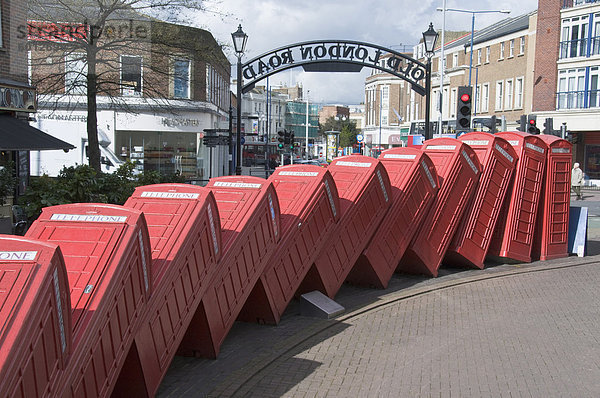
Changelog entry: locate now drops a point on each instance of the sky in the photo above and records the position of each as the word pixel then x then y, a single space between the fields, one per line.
pixel 270 24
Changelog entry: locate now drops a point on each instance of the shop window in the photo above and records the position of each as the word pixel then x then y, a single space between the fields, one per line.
pixel 75 74
pixel 131 75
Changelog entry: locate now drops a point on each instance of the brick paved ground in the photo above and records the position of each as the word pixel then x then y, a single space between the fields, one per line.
pixel 529 330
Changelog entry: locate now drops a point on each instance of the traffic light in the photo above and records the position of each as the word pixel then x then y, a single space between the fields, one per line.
pixel 291 141
pixel 531 125
pixel 548 128
pixel 281 136
pixel 463 115
pixel 523 123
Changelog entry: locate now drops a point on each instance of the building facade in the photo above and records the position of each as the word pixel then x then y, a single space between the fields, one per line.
pixel 165 86
pixel 567 71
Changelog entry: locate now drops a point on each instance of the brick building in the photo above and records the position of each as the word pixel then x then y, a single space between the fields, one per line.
pixel 161 85
pixel 567 69
pixel 335 111
pixel 18 103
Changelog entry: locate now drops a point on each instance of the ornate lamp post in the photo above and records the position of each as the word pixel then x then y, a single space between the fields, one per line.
pixel 239 44
pixel 429 39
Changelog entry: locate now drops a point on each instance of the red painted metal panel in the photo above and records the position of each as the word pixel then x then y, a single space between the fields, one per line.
pixel 249 212
pixel 513 237
pixel 552 226
pixel 414 185
pixel 107 254
pixel 185 238
pixel 364 191
pixel 309 207
pixel 458 171
pixel 474 234
pixel 35 317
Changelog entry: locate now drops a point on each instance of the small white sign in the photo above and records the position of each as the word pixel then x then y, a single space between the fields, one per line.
pixel 360 137
pixel 398 156
pixel 534 147
pixel 428 173
pixel 503 152
pixel 236 185
pixel 299 173
pixel 561 150
pixel 476 142
pixel 441 147
pixel 470 162
pixel 170 195
pixel 353 164
pixel 18 256
pixel 331 202
pixel 88 218
pixel 514 142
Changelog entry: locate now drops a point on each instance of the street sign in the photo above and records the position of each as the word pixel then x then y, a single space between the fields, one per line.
pixel 359 137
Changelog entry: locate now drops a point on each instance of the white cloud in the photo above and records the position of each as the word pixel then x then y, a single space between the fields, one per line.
pixel 275 23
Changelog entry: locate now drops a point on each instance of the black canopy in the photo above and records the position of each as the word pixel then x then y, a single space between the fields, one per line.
pixel 17 135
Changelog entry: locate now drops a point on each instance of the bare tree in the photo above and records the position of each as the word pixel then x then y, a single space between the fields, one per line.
pixel 77 46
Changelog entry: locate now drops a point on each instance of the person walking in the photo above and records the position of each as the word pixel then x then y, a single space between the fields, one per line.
pixel 577 180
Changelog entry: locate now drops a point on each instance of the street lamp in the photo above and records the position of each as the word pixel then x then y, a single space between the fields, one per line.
pixel 429 38
pixel 473 12
pixel 239 44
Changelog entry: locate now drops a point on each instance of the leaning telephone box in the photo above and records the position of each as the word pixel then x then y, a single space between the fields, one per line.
pixel 474 234
pixel 107 256
pixel 185 238
pixel 250 229
pixel 552 226
pixel 458 170
pixel 309 206
pixel 35 308
pixel 513 236
pixel 365 196
pixel 414 185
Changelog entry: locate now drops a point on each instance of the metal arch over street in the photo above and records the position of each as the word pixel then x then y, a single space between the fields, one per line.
pixel 332 53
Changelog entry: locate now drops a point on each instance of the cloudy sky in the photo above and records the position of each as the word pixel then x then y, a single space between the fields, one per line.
pixel 270 24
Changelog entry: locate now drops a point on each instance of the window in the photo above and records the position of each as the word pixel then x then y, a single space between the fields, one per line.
pixel 454 100
pixel 384 118
pixel 479 57
pixel 508 95
pixel 385 97
pixel 75 74
pixel 181 78
pixel 511 48
pixel 454 60
pixel 501 50
pixel 594 88
pixel 485 97
pixel 499 95
pixel 595 50
pixel 131 75
pixel 477 99
pixel 571 88
pixel 519 93
pixel 574 37
pixel 522 46
pixel 1 40
pixel 487 54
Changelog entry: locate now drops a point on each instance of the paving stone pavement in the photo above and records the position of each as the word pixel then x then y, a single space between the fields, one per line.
pixel 526 330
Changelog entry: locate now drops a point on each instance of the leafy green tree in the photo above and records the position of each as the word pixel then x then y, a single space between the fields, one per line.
pixel 347 129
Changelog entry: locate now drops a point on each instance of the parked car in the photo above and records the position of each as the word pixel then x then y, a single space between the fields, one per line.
pixel 314 162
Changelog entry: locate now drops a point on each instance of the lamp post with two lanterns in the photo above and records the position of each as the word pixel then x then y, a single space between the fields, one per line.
pixel 429 39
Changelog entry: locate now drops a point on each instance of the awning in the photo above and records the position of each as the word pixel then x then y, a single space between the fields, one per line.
pixel 17 135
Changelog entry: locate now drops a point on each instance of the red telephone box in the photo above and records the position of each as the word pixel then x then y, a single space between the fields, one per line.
pixel 250 230
pixel 458 171
pixel 185 237
pixel 414 185
pixel 35 308
pixel 513 236
pixel 309 206
pixel 364 190
pixel 107 256
pixel 474 234
pixel 552 231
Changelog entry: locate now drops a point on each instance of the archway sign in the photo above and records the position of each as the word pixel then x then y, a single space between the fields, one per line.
pixel 334 56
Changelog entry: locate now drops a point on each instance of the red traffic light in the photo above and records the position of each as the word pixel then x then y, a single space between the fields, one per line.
pixel 532 122
pixel 465 98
